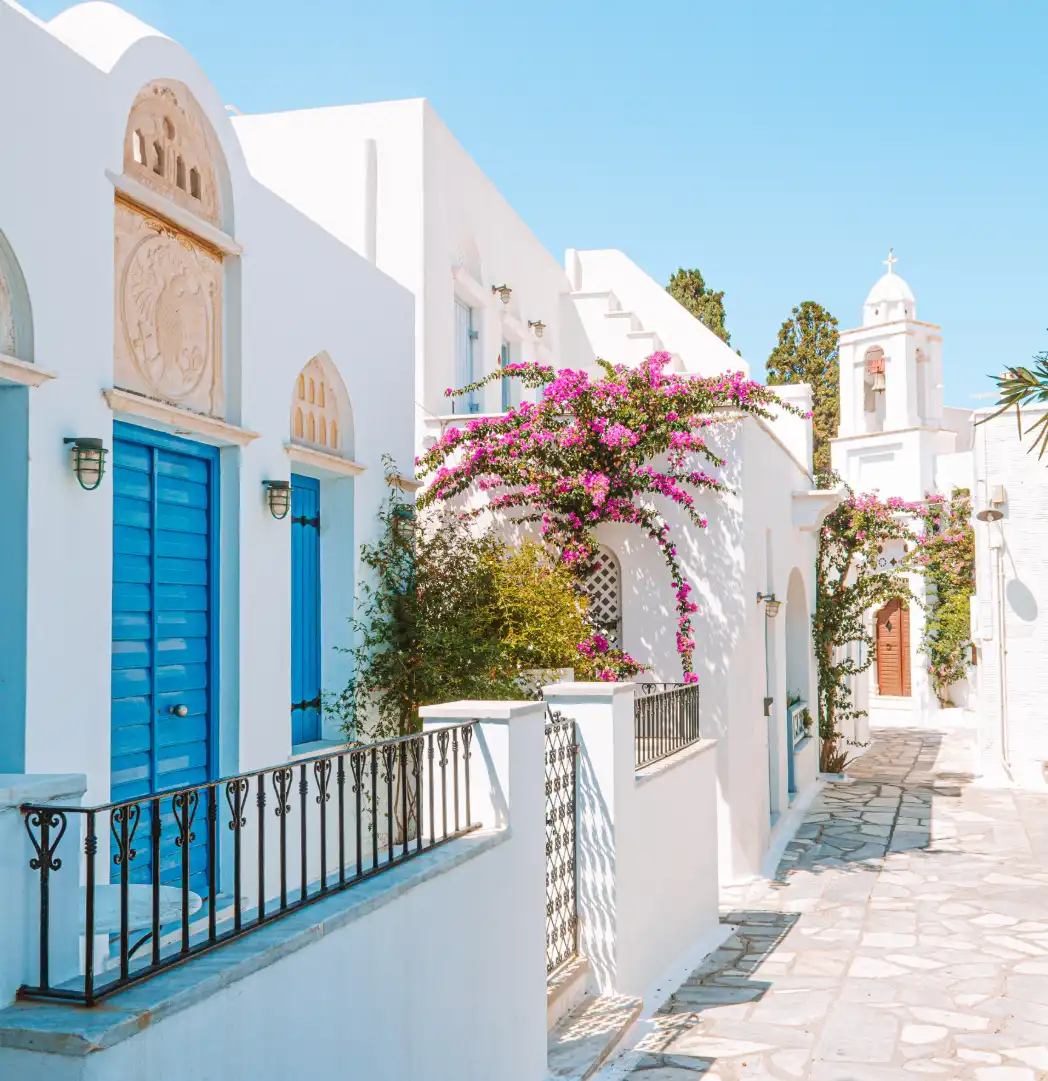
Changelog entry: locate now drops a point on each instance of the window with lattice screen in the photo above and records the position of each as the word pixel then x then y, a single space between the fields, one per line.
pixel 604 589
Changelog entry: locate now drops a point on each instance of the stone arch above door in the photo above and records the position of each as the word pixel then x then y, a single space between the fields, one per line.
pixel 321 414
pixel 16 318
pixel 169 281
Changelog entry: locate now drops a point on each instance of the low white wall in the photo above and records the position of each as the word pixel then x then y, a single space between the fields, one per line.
pixel 437 973
pixel 667 864
pixel 647 845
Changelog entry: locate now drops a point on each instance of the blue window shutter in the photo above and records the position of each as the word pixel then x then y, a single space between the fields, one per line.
pixel 507 383
pixel 305 610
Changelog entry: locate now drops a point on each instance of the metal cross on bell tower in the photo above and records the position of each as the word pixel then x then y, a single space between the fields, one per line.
pixel 891 260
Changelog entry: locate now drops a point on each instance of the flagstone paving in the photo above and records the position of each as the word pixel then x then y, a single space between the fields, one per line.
pixel 905 935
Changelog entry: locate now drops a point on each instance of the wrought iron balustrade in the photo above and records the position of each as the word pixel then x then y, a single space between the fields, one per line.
pixel 666 720
pixel 196 867
pixel 562 914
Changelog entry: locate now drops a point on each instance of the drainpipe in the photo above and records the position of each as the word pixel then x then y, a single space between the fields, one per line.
pixel 1002 652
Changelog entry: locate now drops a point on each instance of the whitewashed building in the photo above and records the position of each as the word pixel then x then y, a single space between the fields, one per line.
pixel 898 439
pixel 1010 500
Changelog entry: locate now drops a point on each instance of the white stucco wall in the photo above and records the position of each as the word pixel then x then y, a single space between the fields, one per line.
pixel 296 290
pixel 1011 624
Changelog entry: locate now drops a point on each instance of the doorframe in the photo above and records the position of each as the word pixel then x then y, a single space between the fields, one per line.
pixel 151 437
pixel 905 667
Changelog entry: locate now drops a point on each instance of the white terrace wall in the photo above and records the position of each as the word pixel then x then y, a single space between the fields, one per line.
pixel 296 291
pixel 391 180
pixel 757 537
pixel 1010 618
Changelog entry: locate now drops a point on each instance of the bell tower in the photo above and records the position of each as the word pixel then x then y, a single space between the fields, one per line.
pixel 890 394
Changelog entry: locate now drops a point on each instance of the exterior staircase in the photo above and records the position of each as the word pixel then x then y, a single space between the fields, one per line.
pixel 615 333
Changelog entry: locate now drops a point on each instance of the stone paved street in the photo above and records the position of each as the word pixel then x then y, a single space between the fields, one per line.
pixel 905 935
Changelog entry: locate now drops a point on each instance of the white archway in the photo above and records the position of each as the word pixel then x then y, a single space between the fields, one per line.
pixel 16 317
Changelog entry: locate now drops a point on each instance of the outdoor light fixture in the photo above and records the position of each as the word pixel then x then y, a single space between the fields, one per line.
pixel 771 605
pixel 278 494
pixel 503 291
pixel 89 461
pixel 990 514
pixel 538 326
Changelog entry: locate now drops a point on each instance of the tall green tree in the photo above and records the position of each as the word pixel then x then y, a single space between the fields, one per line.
pixel 688 287
pixel 807 352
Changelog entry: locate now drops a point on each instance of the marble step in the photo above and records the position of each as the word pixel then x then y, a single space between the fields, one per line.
pixel 566 990
pixel 582 1041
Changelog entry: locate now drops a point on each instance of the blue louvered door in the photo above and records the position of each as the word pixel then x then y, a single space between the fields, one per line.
pixel 164 500
pixel 305 609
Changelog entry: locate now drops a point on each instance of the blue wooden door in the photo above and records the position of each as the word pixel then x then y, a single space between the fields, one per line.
pixel 305 609
pixel 164 642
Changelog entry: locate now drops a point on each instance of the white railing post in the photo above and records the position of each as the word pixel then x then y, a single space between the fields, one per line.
pixel 20 902
pixel 603 713
pixel 508 792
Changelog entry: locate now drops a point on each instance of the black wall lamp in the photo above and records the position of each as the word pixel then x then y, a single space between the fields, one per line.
pixel 538 326
pixel 278 495
pixel 503 291
pixel 771 605
pixel 89 461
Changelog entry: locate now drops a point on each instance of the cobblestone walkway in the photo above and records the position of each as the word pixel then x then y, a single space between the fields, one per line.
pixel 906 935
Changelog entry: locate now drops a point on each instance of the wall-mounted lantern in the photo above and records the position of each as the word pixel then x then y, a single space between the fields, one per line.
pixel 278 495
pixel 538 326
pixel 771 605
pixel 503 291
pixel 89 461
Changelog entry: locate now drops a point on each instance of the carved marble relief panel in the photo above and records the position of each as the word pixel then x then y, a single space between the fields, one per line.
pixel 168 341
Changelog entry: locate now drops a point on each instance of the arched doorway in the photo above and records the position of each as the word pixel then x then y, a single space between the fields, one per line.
pixel 893 649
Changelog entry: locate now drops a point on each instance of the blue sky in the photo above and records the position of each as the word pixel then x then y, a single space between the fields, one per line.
pixel 782 148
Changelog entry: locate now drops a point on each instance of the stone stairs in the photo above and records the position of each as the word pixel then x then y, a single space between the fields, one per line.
pixel 581 1041
pixel 615 333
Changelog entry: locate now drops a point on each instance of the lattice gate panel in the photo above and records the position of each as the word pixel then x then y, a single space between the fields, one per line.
pixel 604 589
pixel 561 887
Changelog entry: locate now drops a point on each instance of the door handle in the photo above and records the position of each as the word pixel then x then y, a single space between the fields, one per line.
pixel 179 710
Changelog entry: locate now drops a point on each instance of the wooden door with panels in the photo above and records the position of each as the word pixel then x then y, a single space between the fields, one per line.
pixel 893 650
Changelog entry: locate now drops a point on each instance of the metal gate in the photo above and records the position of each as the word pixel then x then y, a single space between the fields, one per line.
pixel 562 920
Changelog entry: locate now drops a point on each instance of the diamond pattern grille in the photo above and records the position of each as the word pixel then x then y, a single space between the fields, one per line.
pixel 561 896
pixel 604 590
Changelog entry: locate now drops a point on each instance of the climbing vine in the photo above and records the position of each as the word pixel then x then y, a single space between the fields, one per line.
pixel 945 554
pixel 851 578
pixel 583 456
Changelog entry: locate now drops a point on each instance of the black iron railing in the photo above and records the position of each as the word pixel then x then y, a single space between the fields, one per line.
pixel 196 867
pixel 666 719
pixel 562 913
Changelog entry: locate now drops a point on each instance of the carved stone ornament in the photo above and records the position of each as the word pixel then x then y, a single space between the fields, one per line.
pixel 7 317
pixel 170 147
pixel 168 341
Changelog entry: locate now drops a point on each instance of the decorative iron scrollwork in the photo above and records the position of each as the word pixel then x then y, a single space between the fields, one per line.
pixel 45 820
pixel 132 813
pixel 322 772
pixel 184 805
pixel 357 760
pixel 236 793
pixel 282 780
pixel 561 841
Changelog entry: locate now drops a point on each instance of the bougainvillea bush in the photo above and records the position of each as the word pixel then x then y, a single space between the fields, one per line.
pixel 848 584
pixel 585 455
pixel 945 555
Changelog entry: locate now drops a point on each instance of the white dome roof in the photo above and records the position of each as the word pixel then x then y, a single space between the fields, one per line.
pixel 889 288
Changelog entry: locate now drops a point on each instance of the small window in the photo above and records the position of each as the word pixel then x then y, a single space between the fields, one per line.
pixel 158 152
pixel 298 423
pixel 312 392
pixel 301 388
pixel 180 174
pixel 323 432
pixel 311 428
pixel 194 183
pixel 333 432
pixel 320 398
pixel 138 148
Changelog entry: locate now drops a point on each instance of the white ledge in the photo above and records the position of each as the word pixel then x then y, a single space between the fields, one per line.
pixel 408 484
pixel 211 429
pixel 149 200
pixel 671 761
pixel 479 711
pixel 22 372
pixel 586 690
pixel 811 508
pixel 325 460
pixel 470 288
pixel 19 788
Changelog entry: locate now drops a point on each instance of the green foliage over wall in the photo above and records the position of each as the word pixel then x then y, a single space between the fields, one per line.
pixel 807 352
pixel 688 287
